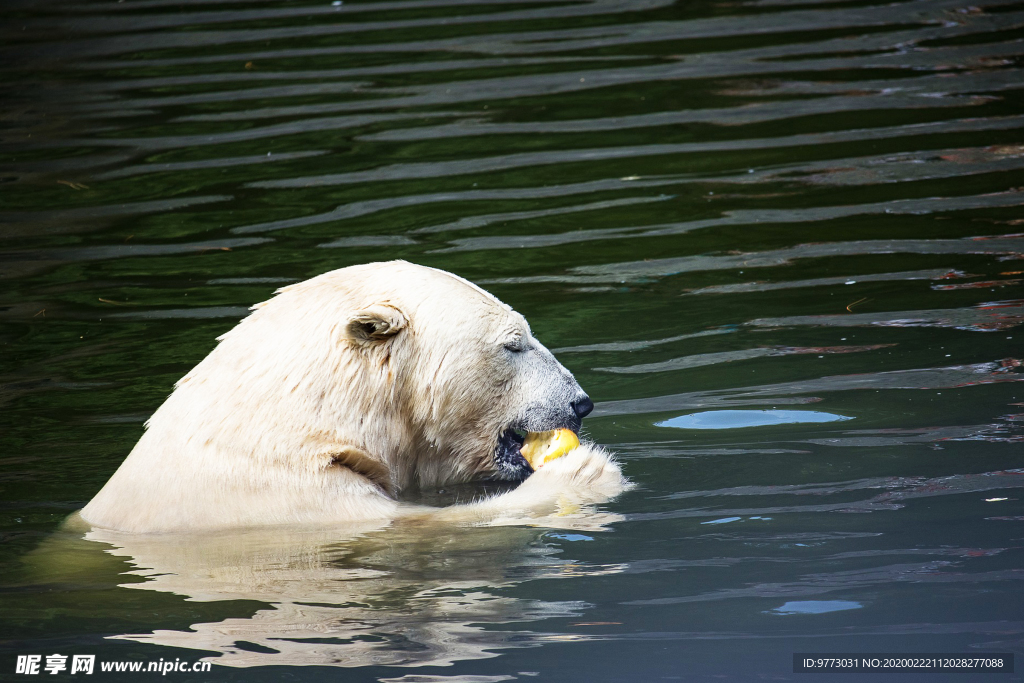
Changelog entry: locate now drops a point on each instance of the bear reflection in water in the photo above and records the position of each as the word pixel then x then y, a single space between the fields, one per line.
pixel 410 594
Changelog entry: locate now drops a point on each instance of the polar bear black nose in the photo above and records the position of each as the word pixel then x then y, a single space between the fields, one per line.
pixel 582 407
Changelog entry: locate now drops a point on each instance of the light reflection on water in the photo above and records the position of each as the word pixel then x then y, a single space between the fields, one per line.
pixel 763 208
pixel 816 606
pixel 738 419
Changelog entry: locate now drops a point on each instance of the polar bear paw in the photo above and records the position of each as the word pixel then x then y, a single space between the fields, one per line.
pixel 585 472
pixel 560 494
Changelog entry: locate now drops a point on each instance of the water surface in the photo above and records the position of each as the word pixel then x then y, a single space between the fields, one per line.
pixel 754 207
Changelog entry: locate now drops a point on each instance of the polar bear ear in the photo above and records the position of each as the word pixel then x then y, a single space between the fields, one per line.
pixel 375 323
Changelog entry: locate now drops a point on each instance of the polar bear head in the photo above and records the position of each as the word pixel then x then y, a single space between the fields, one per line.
pixel 419 376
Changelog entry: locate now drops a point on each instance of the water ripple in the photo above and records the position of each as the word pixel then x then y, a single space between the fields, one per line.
pixel 765 206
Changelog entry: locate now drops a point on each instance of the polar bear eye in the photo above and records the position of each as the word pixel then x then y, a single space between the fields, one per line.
pixel 515 345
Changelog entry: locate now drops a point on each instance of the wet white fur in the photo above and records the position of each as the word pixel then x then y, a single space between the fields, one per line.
pixel 259 433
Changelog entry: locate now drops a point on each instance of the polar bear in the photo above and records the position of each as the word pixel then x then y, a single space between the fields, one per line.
pixel 342 391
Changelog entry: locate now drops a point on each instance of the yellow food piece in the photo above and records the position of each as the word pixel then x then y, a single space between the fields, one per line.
pixel 543 447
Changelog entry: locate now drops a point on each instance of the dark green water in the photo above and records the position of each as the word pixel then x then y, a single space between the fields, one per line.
pixel 702 206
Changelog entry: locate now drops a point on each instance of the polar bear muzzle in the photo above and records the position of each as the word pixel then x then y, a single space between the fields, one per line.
pixel 509 462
